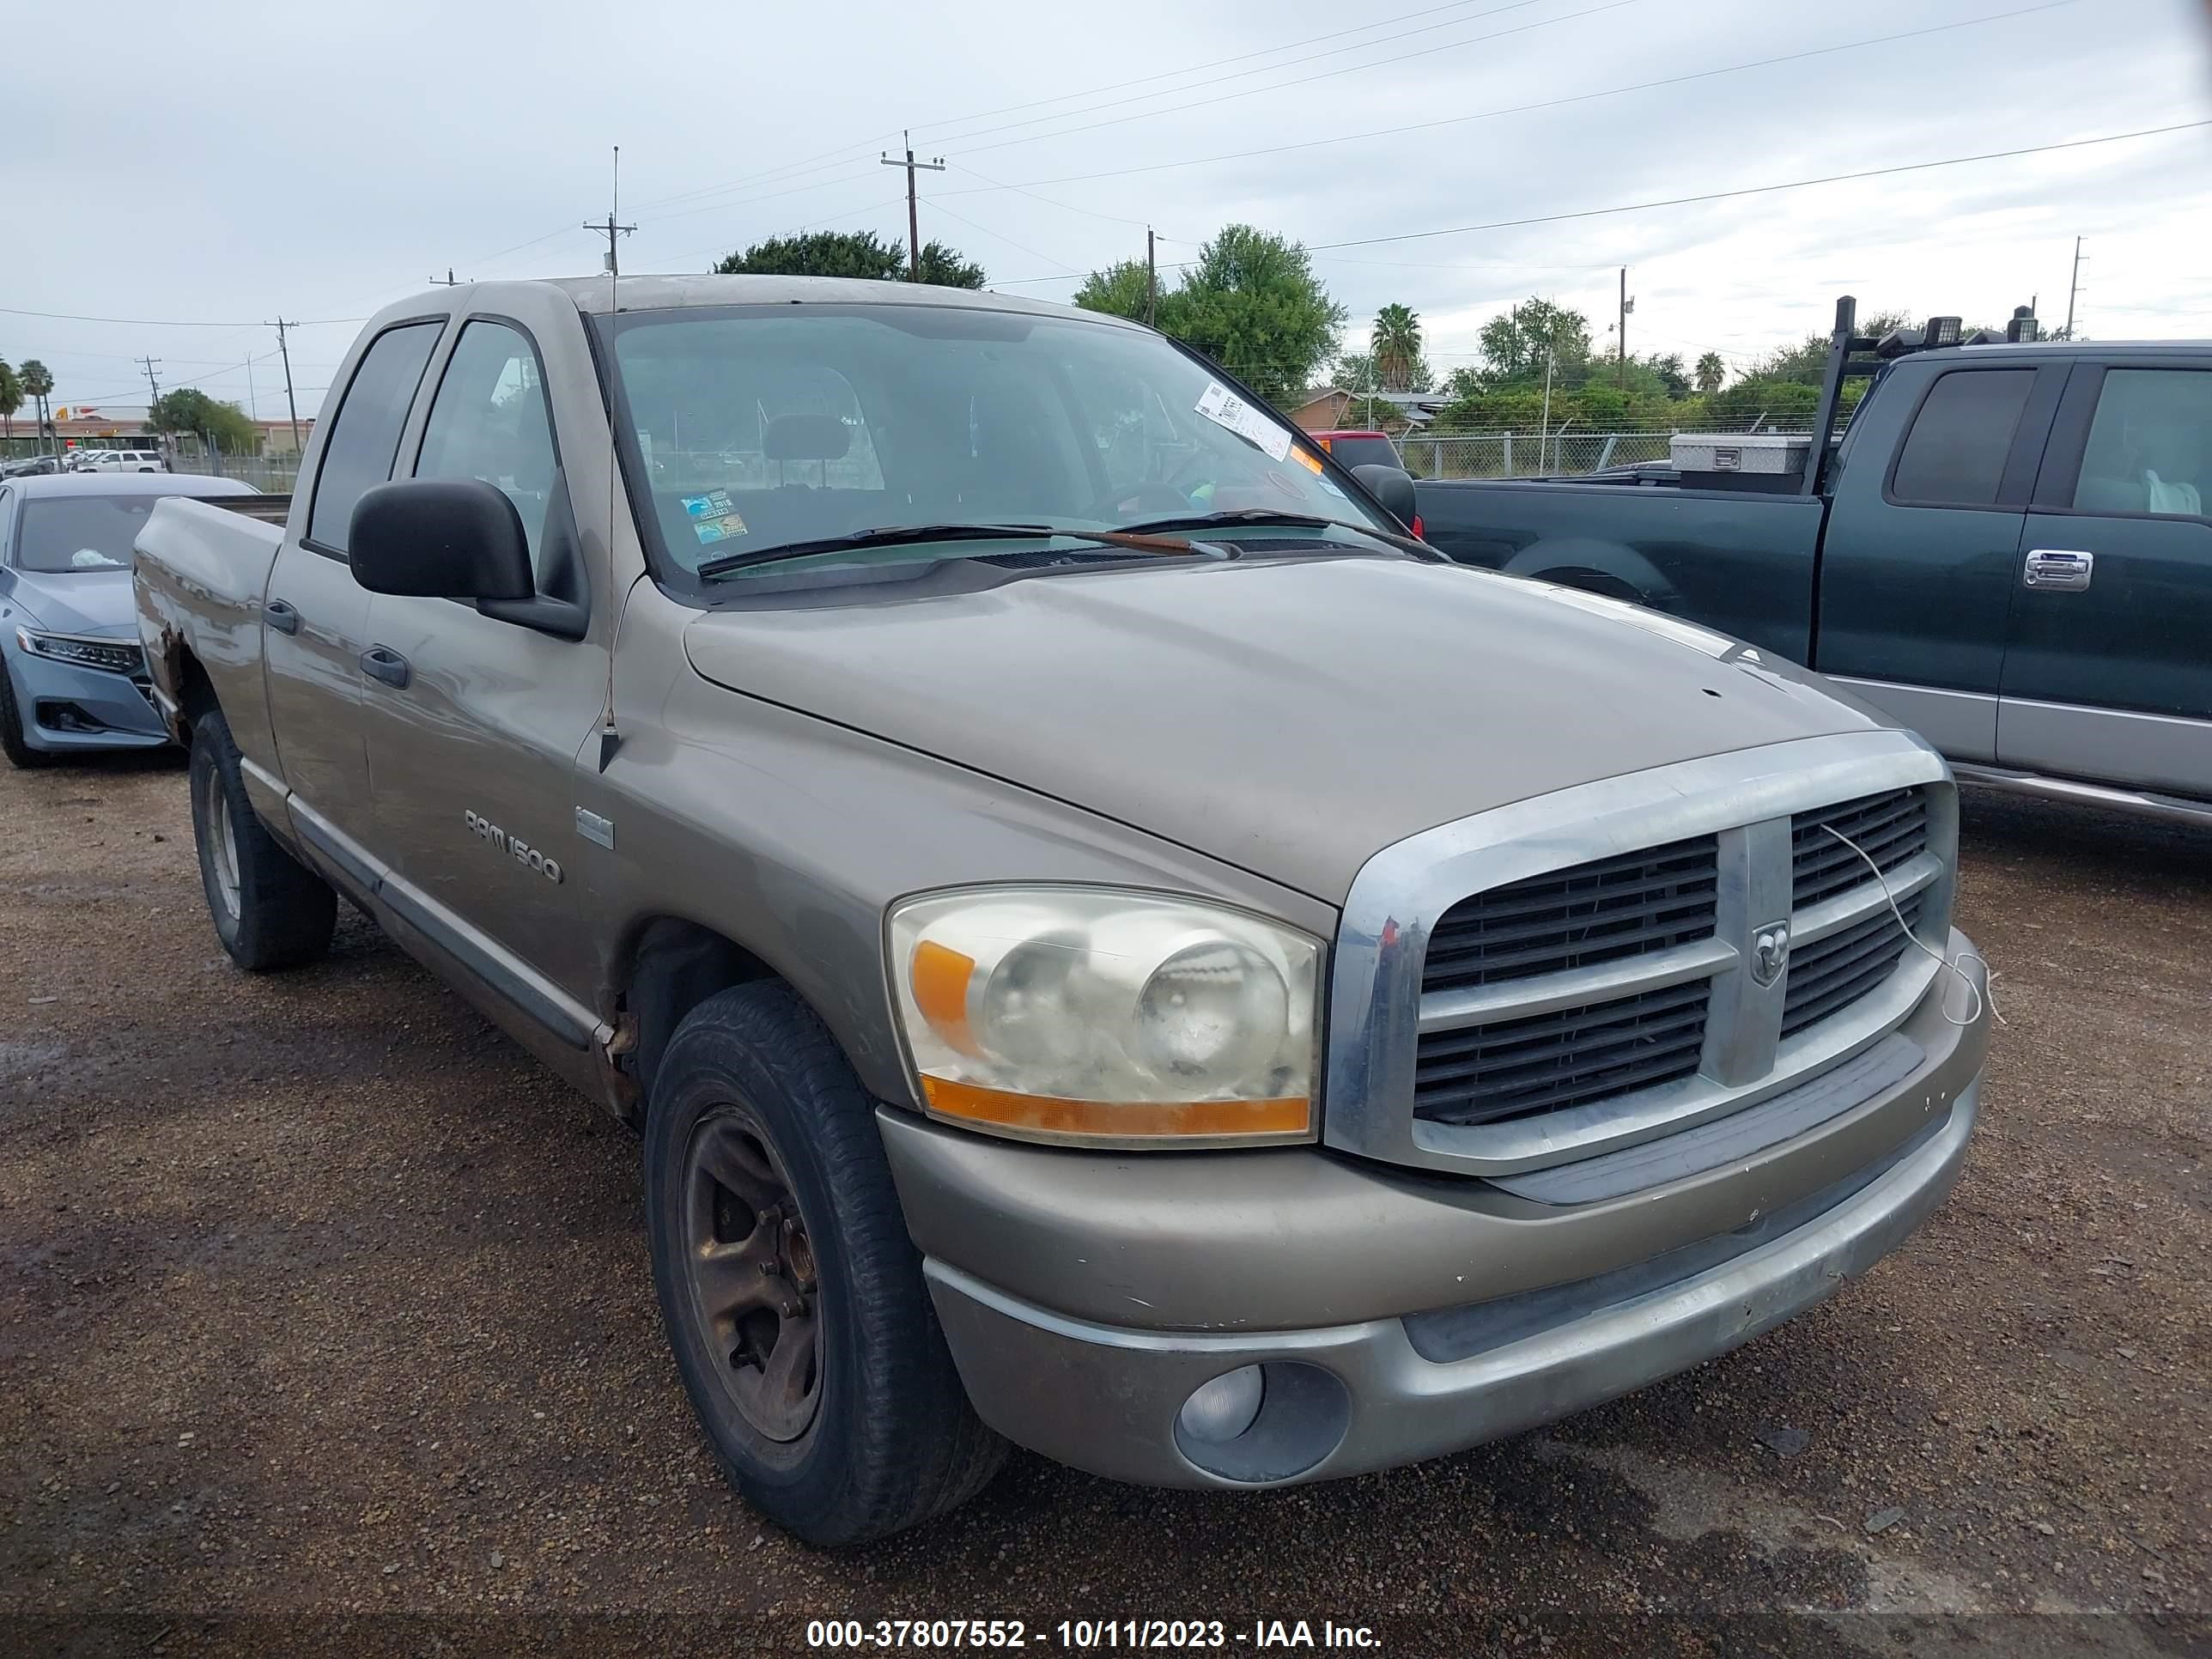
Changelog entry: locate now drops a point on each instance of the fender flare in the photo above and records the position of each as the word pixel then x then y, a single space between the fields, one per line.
pixel 1612 568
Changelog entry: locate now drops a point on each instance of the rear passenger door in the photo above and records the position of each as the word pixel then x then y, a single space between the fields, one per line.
pixel 474 723
pixel 315 616
pixel 2108 669
pixel 1918 558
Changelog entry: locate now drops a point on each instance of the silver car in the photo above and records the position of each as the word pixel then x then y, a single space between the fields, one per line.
pixel 75 674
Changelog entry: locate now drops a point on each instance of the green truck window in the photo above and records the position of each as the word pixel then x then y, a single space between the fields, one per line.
pixel 1956 453
pixel 2150 443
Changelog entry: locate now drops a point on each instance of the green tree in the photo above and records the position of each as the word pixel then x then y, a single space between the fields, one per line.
pixel 1670 374
pixel 1395 343
pixel 220 426
pixel 859 253
pixel 1516 344
pixel 1251 303
pixel 1119 290
pixel 1711 373
pixel 37 381
pixel 11 399
pixel 1355 371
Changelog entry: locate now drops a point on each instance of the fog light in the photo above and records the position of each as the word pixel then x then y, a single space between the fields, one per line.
pixel 1218 1412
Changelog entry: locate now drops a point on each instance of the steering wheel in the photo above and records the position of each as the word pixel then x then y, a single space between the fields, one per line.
pixel 1148 497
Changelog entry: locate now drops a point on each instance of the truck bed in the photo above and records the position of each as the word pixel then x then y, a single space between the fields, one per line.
pixel 1739 561
pixel 201 570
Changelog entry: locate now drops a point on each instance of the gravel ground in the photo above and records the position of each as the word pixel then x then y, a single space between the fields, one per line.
pixel 326 1322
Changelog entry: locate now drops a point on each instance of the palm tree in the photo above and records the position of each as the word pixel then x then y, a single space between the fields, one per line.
pixel 1396 343
pixel 11 399
pixel 36 382
pixel 1712 371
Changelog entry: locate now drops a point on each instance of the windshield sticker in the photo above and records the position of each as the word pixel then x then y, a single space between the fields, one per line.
pixel 712 518
pixel 1330 488
pixel 1225 409
pixel 1311 463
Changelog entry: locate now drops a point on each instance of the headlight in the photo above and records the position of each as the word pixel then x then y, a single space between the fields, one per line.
pixel 119 656
pixel 1079 1014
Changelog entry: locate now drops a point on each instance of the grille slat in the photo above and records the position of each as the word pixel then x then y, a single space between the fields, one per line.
pixel 1567 1058
pixel 1828 976
pixel 1892 827
pixel 1627 905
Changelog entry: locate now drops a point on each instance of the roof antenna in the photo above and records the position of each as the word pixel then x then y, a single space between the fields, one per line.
pixel 610 736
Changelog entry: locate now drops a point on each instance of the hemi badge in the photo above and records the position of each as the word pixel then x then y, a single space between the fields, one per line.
pixel 592 827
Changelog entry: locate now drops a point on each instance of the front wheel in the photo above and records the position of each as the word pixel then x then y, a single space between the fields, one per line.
pixel 270 910
pixel 15 742
pixel 792 1297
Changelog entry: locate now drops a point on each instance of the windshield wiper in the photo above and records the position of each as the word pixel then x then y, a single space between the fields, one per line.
pixel 1264 515
pixel 1135 541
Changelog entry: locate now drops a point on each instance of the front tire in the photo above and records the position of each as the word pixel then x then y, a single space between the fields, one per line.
pixel 13 739
pixel 792 1297
pixel 270 910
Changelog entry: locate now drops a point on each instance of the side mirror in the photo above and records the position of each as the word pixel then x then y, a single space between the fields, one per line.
pixel 440 539
pixel 1391 486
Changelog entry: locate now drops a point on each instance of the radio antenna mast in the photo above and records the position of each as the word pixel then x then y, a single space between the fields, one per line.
pixel 610 736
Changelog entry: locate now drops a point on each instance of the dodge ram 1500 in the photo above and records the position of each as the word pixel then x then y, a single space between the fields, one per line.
pixel 1107 943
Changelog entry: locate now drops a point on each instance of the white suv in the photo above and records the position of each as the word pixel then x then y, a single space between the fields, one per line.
pixel 120 460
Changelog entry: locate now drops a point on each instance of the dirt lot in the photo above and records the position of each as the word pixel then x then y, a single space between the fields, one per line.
pixel 325 1320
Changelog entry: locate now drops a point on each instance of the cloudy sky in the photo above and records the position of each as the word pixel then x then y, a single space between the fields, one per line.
pixel 178 176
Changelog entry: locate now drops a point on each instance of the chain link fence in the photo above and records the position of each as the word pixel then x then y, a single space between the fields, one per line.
pixel 1539 454
pixel 272 475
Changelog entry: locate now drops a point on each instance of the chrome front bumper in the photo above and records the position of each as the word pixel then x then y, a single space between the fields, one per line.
pixel 1367 1396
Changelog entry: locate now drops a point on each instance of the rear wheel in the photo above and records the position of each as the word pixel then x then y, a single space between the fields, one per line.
pixel 793 1296
pixel 13 739
pixel 270 910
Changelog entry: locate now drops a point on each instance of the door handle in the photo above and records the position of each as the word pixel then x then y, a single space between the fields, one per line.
pixel 281 615
pixel 381 662
pixel 2059 569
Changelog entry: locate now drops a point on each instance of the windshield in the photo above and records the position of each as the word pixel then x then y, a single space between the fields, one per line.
pixel 82 533
pixel 757 428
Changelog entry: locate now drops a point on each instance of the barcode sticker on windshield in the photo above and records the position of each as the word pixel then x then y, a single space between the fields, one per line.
pixel 1225 408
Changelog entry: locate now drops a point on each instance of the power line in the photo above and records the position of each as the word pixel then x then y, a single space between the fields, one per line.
pixel 166 322
pixel 1214 96
pixel 1764 190
pixel 845 154
pixel 1525 109
pixel 1324 75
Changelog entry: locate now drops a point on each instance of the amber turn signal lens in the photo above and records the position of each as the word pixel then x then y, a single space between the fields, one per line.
pixel 1092 1120
pixel 941 977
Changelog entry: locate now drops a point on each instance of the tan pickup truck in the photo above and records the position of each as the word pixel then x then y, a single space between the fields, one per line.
pixel 1109 944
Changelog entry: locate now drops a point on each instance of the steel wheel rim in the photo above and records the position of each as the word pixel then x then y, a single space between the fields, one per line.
pixel 222 840
pixel 749 1272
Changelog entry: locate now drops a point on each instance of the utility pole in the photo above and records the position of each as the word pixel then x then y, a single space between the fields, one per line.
pixel 1620 344
pixel 2073 288
pixel 610 230
pixel 154 386
pixel 447 281
pixel 912 217
pixel 1151 278
pixel 291 403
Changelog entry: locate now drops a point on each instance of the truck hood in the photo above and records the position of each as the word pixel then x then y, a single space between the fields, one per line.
pixel 91 602
pixel 1292 718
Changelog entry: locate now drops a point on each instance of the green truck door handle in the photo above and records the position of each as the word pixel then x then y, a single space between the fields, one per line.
pixel 2061 571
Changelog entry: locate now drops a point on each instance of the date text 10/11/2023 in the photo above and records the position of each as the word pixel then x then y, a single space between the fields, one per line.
pixel 1089 1634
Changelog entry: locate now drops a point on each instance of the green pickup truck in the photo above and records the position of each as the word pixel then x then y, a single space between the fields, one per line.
pixel 2010 551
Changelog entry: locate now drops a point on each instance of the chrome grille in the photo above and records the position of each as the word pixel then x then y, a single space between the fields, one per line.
pixel 1603 911
pixel 1828 975
pixel 1547 1062
pixel 1512 991
pixel 1891 828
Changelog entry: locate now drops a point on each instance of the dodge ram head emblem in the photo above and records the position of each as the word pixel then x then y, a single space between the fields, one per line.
pixel 1770 953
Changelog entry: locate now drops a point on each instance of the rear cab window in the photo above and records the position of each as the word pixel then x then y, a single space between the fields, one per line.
pixel 1363 451
pixel 364 438
pixel 1955 453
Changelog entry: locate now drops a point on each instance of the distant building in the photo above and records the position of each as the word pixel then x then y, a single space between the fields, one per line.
pixel 1322 409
